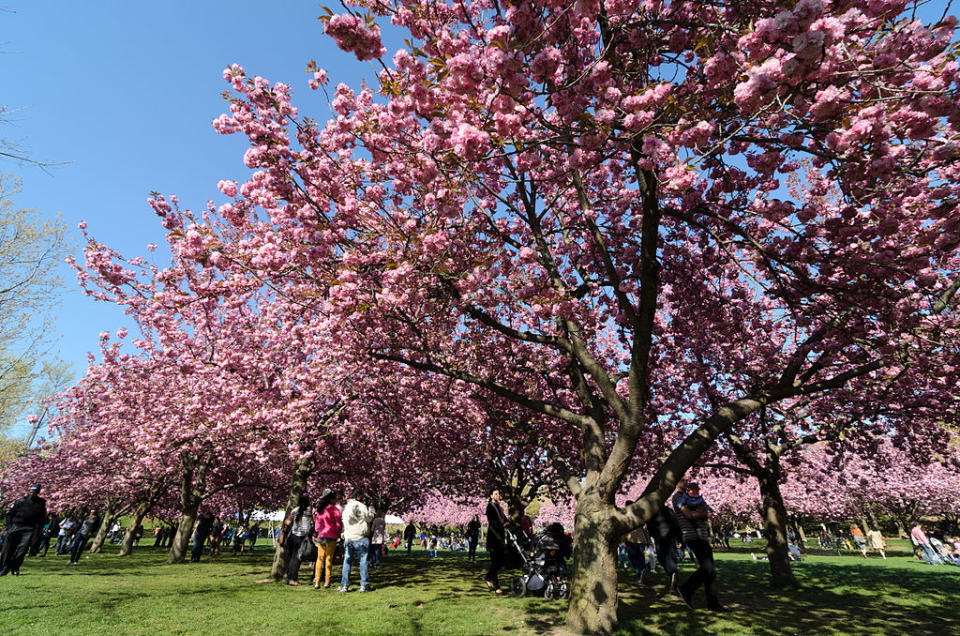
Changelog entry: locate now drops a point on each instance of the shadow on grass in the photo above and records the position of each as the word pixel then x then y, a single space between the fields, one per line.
pixel 833 598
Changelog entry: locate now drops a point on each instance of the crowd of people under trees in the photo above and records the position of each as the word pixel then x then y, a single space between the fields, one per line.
pixel 334 529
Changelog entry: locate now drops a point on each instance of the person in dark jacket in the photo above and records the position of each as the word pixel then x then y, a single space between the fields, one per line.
pixel 24 520
pixel 204 528
pixel 665 532
pixel 409 534
pixel 473 537
pixel 87 528
pixel 496 542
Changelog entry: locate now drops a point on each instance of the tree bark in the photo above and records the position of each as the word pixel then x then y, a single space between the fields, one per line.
pixel 593 575
pixel 108 519
pixel 178 550
pixel 127 546
pixel 298 484
pixel 800 532
pixel 190 506
pixel 775 530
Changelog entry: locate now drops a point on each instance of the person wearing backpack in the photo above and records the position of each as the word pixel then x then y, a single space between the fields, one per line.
pixel 298 528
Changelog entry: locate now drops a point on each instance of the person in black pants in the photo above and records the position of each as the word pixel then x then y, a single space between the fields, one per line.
pixel 496 541
pixel 298 527
pixel 49 531
pixel 87 528
pixel 692 515
pixel 473 537
pixel 665 532
pixel 24 519
pixel 204 527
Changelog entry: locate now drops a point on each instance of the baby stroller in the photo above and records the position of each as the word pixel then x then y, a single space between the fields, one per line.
pixel 544 567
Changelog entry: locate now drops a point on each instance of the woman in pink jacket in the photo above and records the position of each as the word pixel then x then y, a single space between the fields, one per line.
pixel 327 522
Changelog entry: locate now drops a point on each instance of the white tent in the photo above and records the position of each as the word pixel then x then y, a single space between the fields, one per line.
pixel 266 515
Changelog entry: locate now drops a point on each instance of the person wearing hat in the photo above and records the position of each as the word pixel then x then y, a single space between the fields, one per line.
pixel 24 520
pixel 328 526
pixel 692 515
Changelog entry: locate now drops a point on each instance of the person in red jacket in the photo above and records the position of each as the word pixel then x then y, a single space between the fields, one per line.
pixel 328 525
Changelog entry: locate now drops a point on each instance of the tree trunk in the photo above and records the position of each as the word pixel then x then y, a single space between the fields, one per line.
pixel 298 484
pixel 127 546
pixel 189 506
pixel 800 532
pixel 108 519
pixel 873 521
pixel 178 550
pixel 593 575
pixel 775 530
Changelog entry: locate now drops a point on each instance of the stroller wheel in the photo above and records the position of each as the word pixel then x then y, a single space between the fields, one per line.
pixel 564 590
pixel 518 587
pixel 549 591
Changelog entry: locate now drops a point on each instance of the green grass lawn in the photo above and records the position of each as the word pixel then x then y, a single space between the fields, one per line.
pixel 107 594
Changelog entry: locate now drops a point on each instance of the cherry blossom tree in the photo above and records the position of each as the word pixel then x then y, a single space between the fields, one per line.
pixel 572 195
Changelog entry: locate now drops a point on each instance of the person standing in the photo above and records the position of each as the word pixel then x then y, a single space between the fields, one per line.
pixel 473 537
pixel 328 526
pixel 203 530
pixel 496 541
pixel 356 540
pixel 633 545
pixel 299 528
pixel 665 533
pixel 378 536
pixel 409 534
pixel 67 527
pixel 87 528
pixel 49 531
pixel 24 520
pixel 216 534
pixel 692 517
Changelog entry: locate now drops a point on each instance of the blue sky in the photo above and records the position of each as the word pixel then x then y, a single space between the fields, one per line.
pixel 122 94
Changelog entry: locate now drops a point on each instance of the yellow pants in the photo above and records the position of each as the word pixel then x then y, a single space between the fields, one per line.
pixel 324 562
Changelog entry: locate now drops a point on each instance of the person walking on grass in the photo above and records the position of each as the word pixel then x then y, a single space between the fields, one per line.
pixel 692 516
pixel 298 528
pixel 876 542
pixel 87 528
pixel 24 520
pixel 473 537
pixel 496 542
pixel 328 527
pixel 356 540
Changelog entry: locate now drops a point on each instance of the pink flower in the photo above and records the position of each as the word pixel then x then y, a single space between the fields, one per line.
pixel 229 188
pixel 353 36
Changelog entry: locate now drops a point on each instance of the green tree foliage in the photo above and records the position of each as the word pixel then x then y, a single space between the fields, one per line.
pixel 31 247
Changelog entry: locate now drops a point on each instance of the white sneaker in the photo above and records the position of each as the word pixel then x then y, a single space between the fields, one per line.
pixel 342 588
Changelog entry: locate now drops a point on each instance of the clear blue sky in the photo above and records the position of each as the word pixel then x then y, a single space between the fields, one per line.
pixel 123 92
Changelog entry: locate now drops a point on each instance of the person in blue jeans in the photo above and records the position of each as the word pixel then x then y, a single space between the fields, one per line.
pixel 356 519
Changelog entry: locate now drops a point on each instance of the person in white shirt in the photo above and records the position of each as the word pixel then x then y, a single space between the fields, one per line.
pixel 356 540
